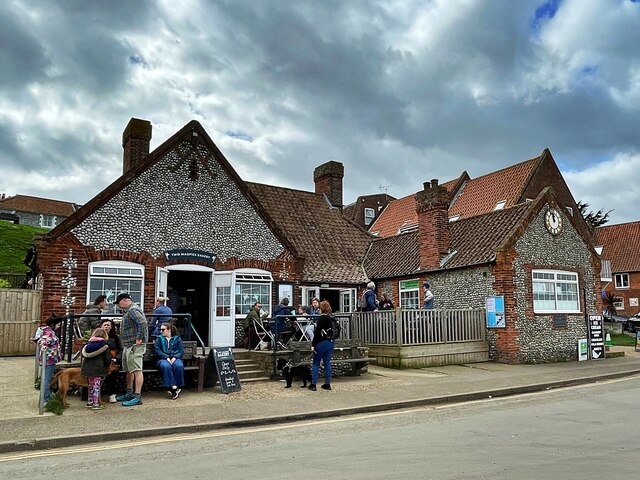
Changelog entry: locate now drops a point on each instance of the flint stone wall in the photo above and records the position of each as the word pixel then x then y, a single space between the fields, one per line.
pixel 163 208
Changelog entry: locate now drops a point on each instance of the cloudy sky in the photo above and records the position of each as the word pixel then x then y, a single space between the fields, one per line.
pixel 400 91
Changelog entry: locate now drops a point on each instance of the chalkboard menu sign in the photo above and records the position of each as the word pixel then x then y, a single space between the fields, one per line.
pixel 226 369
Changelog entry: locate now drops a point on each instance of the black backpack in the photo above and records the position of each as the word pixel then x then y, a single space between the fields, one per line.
pixel 336 329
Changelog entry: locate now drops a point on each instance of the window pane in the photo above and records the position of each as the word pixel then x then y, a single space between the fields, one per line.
pixel 409 299
pixel 249 293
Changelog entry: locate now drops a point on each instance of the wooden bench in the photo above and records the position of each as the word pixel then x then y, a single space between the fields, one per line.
pixel 344 352
pixel 191 360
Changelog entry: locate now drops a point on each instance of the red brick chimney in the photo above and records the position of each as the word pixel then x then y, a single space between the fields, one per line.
pixel 328 179
pixel 432 206
pixel 135 141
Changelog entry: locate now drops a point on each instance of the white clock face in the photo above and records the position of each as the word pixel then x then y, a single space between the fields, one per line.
pixel 553 221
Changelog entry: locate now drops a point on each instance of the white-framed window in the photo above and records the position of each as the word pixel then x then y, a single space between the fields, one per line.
pixel 369 215
pixel 500 205
pixel 570 210
pixel 454 218
pixel 251 286
pixel 618 302
pixel 409 293
pixel 112 277
pixel 47 221
pixel 555 291
pixel 622 280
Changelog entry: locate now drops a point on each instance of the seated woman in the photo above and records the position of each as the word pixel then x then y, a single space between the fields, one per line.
pixel 169 350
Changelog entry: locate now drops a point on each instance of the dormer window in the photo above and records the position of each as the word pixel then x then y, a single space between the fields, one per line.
pixel 500 205
pixel 369 215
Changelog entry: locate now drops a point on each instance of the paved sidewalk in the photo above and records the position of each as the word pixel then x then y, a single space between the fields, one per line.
pixel 21 428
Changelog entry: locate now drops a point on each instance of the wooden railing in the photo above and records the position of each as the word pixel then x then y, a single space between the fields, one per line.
pixel 418 327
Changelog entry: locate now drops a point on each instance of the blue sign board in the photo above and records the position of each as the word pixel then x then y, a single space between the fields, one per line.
pixel 495 312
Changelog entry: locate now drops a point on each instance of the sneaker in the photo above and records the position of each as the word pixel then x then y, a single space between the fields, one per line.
pixel 124 397
pixel 97 407
pixel 133 402
pixel 326 386
pixel 89 405
pixel 113 399
pixel 175 393
pixel 312 387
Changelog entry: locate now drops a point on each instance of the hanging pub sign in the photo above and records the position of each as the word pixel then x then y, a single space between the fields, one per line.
pixel 495 312
pixel 189 254
pixel 596 337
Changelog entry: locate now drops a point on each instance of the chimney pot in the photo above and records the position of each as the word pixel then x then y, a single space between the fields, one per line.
pixel 426 185
pixel 434 182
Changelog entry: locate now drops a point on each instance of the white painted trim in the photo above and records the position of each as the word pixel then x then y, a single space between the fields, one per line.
pixel 189 268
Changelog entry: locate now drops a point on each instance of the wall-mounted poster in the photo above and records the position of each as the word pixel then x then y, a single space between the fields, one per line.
pixel 285 290
pixel 495 312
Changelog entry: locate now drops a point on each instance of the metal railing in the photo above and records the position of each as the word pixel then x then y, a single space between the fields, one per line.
pixel 69 329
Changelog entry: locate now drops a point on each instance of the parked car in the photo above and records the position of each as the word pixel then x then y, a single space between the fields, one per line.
pixel 609 317
pixel 633 323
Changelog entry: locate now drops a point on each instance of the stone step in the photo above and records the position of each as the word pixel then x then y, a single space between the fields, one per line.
pixel 255 379
pixel 250 374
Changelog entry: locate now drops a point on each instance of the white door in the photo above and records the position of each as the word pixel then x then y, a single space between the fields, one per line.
pixel 223 325
pixel 346 300
pixel 309 293
pixel 162 275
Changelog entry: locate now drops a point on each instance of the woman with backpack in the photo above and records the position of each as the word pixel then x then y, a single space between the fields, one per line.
pixel 322 347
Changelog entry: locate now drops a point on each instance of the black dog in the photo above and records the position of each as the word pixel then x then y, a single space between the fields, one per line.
pixel 303 372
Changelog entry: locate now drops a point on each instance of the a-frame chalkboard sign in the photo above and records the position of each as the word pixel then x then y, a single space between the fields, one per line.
pixel 226 369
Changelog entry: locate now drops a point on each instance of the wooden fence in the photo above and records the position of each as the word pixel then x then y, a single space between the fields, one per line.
pixel 19 318
pixel 419 327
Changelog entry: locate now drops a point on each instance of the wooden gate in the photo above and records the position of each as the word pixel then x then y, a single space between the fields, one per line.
pixel 19 318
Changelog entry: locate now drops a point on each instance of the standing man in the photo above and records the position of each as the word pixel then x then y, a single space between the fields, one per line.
pixel 134 335
pixel 428 296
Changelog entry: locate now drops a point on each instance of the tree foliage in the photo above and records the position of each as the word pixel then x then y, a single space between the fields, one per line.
pixel 609 300
pixel 594 220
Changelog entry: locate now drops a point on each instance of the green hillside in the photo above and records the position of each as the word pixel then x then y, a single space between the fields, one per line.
pixel 15 240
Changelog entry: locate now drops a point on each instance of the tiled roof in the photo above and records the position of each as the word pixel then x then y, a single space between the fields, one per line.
pixel 331 245
pixel 393 256
pixel 621 246
pixel 481 194
pixel 398 213
pixel 45 206
pixel 475 241
pixel 474 197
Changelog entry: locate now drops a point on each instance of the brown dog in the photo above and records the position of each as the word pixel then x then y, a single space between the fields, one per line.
pixel 68 377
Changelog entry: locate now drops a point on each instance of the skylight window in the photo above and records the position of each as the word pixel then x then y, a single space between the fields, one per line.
pixel 500 205
pixel 408 228
pixel 454 218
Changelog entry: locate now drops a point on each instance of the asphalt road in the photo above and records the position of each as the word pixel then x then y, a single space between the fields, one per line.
pixel 578 433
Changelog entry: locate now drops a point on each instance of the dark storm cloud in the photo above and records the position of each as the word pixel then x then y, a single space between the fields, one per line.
pixel 400 91
pixel 22 56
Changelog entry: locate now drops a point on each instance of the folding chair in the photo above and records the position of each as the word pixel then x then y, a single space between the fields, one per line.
pixel 265 335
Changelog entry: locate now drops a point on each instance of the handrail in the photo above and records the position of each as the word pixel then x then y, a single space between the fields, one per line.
pixel 67 332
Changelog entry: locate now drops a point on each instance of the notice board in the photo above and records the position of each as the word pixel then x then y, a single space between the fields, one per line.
pixel 226 369
pixel 596 337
